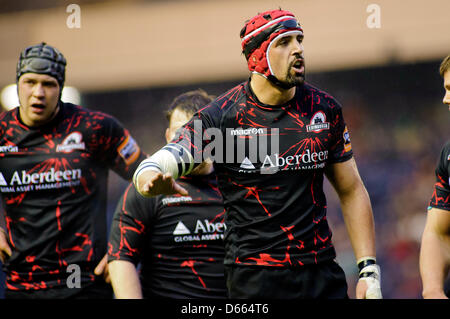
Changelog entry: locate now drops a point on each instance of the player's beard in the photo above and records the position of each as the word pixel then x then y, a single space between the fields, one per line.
pixel 293 79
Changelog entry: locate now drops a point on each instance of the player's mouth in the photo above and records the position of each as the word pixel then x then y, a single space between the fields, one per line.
pixel 37 107
pixel 299 66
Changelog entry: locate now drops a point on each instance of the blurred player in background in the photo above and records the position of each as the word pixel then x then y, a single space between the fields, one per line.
pixel 278 242
pixel 435 247
pixel 54 164
pixel 177 239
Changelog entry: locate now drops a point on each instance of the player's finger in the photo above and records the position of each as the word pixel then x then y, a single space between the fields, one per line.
pixel 361 289
pixel 101 266
pixel 4 247
pixel 180 190
pixel 174 186
pixel 8 251
pixel 147 187
pixel 107 277
pixel 158 177
pixel 5 253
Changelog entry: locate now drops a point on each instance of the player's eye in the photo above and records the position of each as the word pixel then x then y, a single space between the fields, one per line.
pixel 49 84
pixel 283 41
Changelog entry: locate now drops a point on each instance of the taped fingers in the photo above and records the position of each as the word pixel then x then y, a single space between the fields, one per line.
pixel 370 272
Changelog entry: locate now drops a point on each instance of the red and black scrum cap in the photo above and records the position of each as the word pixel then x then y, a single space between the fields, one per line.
pixel 260 31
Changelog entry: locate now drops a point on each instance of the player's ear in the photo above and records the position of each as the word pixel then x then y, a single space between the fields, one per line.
pixel 168 135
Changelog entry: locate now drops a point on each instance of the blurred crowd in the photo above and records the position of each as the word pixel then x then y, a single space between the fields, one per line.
pixel 397 125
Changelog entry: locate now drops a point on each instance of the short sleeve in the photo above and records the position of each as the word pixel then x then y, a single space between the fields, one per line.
pixel 441 193
pixel 341 147
pixel 130 226
pixel 118 148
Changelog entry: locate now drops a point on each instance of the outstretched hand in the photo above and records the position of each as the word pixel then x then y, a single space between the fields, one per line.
pixel 152 183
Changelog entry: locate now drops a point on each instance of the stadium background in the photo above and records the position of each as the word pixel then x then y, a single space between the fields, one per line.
pixel 129 58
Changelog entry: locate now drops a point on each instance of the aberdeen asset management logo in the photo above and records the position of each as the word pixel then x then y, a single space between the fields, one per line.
pixel 204 230
pixel 181 229
pixel 73 141
pixel 247 164
pixel 318 123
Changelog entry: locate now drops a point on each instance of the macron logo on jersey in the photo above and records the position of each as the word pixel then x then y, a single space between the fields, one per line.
pixel 248 131
pixel 9 149
pixel 174 200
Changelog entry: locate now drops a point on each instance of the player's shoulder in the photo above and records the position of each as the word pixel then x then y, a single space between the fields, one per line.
pixel 73 109
pixel 4 115
pixel 4 119
pixel 8 118
pixel 230 97
pixel 215 111
pixel 94 119
pixel 321 96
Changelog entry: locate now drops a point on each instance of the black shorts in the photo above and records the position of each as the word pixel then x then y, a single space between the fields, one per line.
pixel 96 290
pixel 324 281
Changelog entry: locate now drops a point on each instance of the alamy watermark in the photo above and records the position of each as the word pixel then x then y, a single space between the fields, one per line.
pixel 74 19
pixel 373 21
pixel 73 280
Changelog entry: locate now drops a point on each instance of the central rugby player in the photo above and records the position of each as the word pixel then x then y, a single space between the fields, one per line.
pixel 278 242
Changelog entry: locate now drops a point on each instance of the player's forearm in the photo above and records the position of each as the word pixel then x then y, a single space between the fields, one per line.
pixel 125 280
pixel 172 158
pixel 433 266
pixel 358 217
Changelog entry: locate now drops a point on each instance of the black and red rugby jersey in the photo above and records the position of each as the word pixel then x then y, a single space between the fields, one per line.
pixel 272 188
pixel 53 182
pixel 441 194
pixel 177 239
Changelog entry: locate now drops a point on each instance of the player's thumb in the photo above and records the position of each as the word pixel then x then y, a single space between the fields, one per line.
pixel 5 250
pixel 101 266
pixel 4 247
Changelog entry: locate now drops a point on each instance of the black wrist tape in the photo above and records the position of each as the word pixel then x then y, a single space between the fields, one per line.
pixel 365 263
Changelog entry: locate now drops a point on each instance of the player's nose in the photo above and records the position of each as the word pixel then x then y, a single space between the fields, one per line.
pixel 38 90
pixel 446 99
